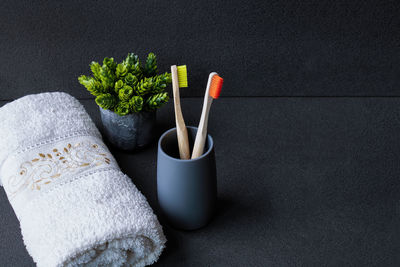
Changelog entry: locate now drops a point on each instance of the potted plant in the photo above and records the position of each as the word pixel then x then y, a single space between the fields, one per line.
pixel 128 95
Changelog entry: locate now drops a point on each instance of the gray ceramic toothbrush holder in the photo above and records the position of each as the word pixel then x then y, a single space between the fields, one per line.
pixel 186 189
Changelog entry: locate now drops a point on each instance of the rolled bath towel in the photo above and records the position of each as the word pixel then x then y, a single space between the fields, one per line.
pixel 75 206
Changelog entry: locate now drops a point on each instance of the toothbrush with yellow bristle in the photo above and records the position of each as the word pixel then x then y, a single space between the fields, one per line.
pixel 213 91
pixel 179 79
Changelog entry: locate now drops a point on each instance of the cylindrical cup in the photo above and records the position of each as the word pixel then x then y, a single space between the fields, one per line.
pixel 186 189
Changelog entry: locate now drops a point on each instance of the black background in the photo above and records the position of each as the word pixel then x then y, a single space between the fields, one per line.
pixel 261 48
pixel 306 129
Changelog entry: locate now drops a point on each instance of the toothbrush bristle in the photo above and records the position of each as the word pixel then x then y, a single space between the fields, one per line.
pixel 216 86
pixel 182 76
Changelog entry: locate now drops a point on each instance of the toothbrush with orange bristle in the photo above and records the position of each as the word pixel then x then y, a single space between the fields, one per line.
pixel 213 90
pixel 179 79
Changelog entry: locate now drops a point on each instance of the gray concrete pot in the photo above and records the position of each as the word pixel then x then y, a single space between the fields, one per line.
pixel 129 132
pixel 186 189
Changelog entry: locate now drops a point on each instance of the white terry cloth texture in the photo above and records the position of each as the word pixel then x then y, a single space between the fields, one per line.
pixel 75 206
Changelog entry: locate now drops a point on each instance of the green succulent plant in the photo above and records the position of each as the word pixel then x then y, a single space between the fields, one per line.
pixel 127 87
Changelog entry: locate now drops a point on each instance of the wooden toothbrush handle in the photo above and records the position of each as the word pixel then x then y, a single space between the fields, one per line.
pixel 183 143
pixel 181 131
pixel 201 135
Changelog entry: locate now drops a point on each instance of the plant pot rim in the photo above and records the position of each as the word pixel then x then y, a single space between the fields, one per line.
pixel 137 113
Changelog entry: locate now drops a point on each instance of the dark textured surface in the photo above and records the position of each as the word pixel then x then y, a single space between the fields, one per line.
pixel 302 182
pixel 260 47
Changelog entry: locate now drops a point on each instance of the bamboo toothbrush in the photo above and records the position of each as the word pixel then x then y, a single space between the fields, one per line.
pixel 213 90
pixel 179 79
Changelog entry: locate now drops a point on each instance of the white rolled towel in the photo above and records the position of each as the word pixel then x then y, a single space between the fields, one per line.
pixel 74 205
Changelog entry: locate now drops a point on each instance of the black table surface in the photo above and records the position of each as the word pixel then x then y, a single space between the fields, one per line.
pixel 301 182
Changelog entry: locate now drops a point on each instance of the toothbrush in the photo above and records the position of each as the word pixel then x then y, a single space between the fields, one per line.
pixel 179 79
pixel 213 90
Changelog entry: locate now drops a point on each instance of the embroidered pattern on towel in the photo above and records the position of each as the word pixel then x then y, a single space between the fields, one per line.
pixel 46 165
